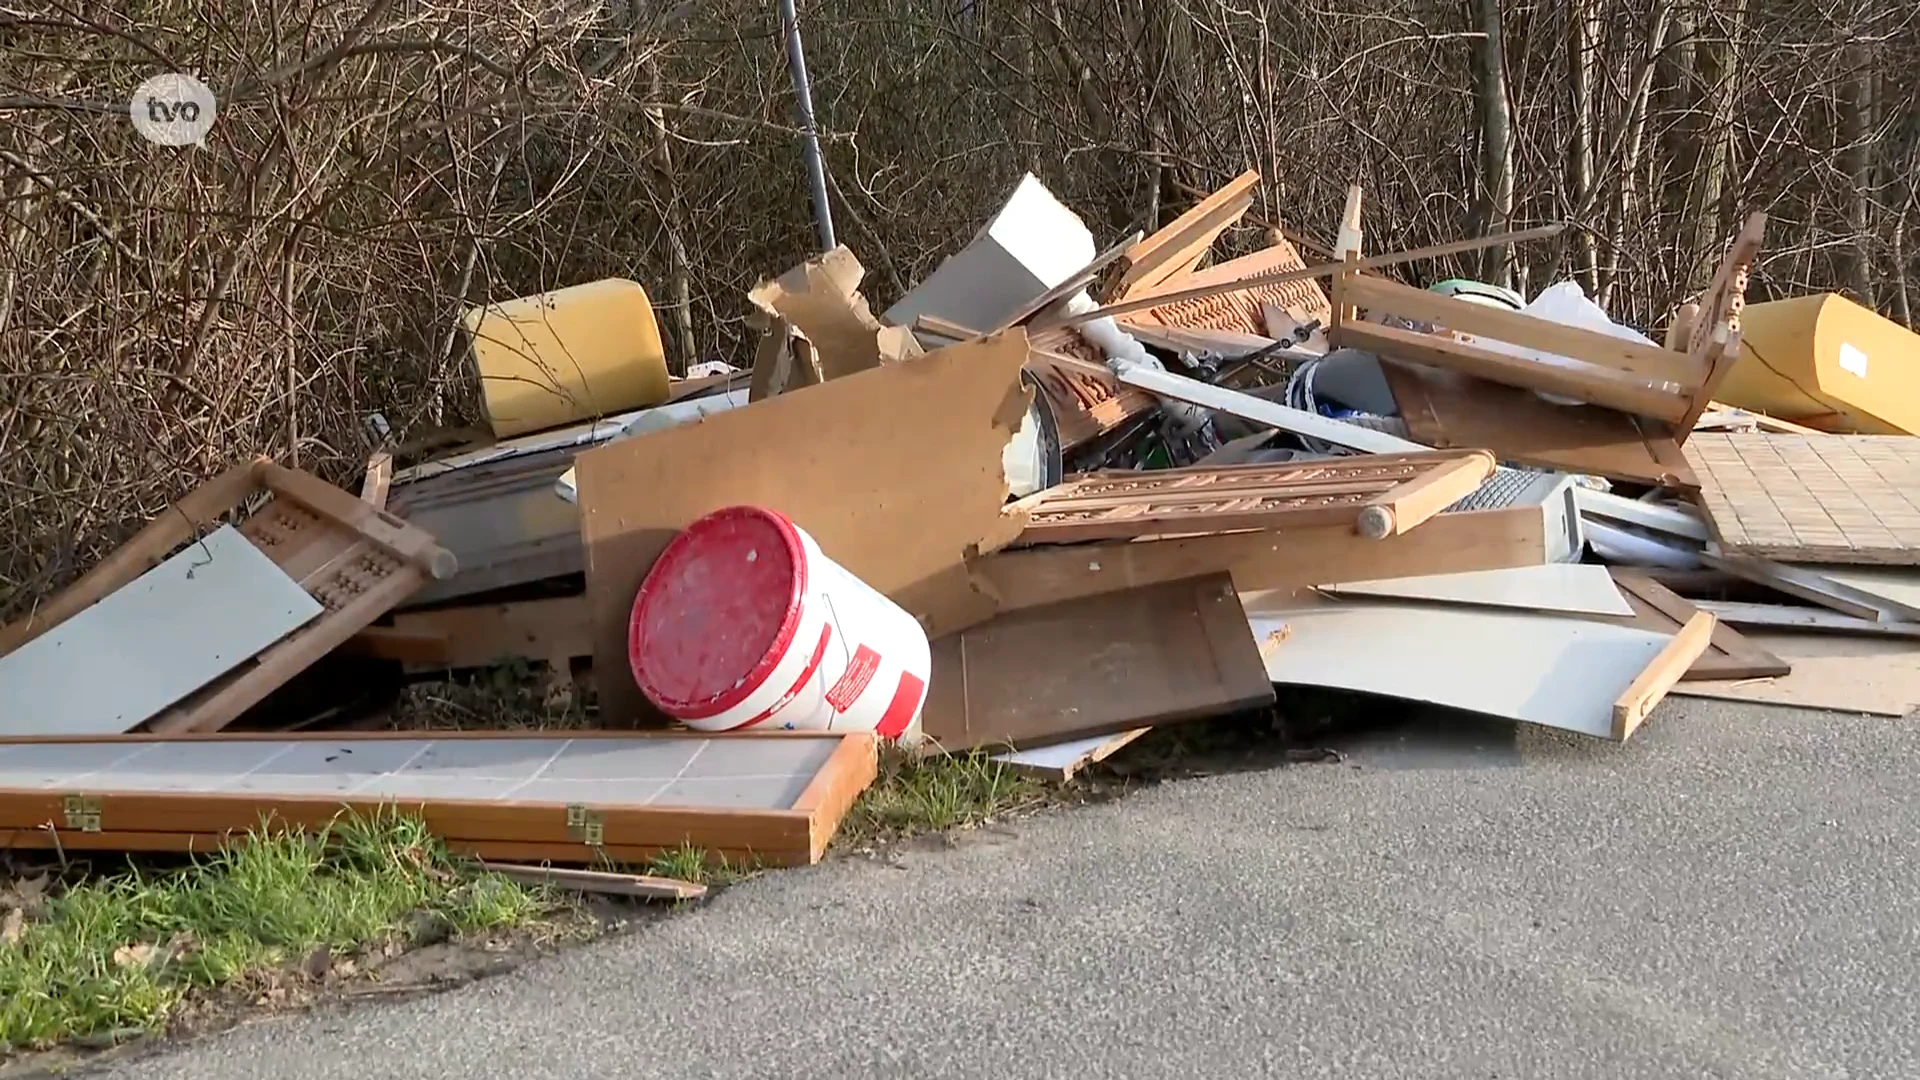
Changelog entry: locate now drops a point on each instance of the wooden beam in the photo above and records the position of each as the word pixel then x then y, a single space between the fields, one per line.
pixel 1147 303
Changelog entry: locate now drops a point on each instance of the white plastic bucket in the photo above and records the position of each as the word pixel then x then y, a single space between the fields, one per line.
pixel 744 624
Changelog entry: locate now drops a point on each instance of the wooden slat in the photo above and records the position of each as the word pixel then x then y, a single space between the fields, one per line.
pixel 1729 654
pixel 1179 246
pixel 1668 668
pixel 1642 361
pixel 1445 351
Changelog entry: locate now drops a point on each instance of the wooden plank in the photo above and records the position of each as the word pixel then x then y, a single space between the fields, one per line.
pixel 1807 585
pixel 1418 499
pixel 1176 248
pixel 1631 709
pixel 599 882
pixel 1445 351
pixel 896 472
pixel 1822 498
pixel 482 635
pixel 1199 292
pixel 374 523
pixel 378 480
pixel 1729 654
pixel 1842 672
pixel 1633 358
pixel 1158 654
pixel 1291 560
pixel 1713 344
pixel 1119 505
pixel 1447 409
pixel 153 641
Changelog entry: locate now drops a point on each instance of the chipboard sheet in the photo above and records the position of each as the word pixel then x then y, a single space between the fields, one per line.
pixel 149 644
pixel 1579 588
pixel 1551 670
pixel 670 771
pixel 1841 672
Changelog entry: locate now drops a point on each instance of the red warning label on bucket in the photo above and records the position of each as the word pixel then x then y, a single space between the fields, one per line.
pixel 853 682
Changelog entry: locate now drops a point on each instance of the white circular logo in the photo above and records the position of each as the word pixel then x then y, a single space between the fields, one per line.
pixel 173 109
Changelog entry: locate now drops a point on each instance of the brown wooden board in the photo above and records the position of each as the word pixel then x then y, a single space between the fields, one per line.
pixel 895 471
pixel 566 796
pixel 1447 409
pixel 1290 559
pixel 1111 505
pixel 1177 247
pixel 356 559
pixel 1244 308
pixel 1179 650
pixel 1812 498
pixel 551 631
pixel 1729 655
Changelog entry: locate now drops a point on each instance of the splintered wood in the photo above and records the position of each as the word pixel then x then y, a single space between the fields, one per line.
pixel 1812 498
pixel 1379 495
pixel 1245 309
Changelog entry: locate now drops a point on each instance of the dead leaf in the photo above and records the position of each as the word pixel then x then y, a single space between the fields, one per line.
pixel 344 969
pixel 11 926
pixel 137 955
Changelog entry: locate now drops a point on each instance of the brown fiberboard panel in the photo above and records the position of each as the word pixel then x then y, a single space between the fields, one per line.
pixel 1447 409
pixel 895 471
pixel 1842 672
pixel 1179 650
pixel 1730 654
pixel 1812 498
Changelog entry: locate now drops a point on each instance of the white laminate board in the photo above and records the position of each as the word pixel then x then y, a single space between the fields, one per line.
pixel 167 633
pixel 1842 672
pixel 1260 411
pixel 1062 760
pixel 1811 619
pixel 1897 586
pixel 1578 588
pixel 1552 670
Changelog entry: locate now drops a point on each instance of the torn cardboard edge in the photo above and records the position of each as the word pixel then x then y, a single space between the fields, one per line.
pixel 897 472
pixel 820 300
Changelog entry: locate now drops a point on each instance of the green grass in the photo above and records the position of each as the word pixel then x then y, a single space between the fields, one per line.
pixel 933 794
pixel 123 951
pixel 689 863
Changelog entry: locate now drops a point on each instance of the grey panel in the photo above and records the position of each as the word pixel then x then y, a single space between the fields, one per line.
pixel 159 638
pixel 691 770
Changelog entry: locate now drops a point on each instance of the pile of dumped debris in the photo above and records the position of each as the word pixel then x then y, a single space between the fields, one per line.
pixel 1002 515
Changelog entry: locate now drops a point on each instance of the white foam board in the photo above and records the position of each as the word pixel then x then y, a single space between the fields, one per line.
pixel 166 634
pixel 1579 589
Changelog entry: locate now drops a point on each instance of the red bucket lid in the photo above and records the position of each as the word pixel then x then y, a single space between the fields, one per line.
pixel 717 611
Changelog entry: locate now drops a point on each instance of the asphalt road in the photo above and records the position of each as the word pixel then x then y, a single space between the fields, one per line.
pixel 1730 895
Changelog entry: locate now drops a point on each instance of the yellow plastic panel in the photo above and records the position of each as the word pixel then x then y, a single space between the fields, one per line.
pixel 1826 362
pixel 569 355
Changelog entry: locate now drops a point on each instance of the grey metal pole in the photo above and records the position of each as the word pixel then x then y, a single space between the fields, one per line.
pixel 803 93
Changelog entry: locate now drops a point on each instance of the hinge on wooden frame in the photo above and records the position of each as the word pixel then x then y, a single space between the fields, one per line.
pixel 586 826
pixel 82 812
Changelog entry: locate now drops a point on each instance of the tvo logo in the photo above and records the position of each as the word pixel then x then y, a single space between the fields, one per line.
pixel 173 109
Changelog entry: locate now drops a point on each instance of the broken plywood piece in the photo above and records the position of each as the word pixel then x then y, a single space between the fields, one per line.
pixel 1448 409
pixel 821 300
pixel 1061 762
pixel 552 631
pixel 1818 498
pixel 162 636
pixel 1175 249
pixel 358 561
pixel 580 797
pixel 1576 589
pixel 1153 655
pixel 1729 654
pixel 1575 674
pixel 1843 673
pixel 599 882
pixel 896 472
pixel 1378 495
